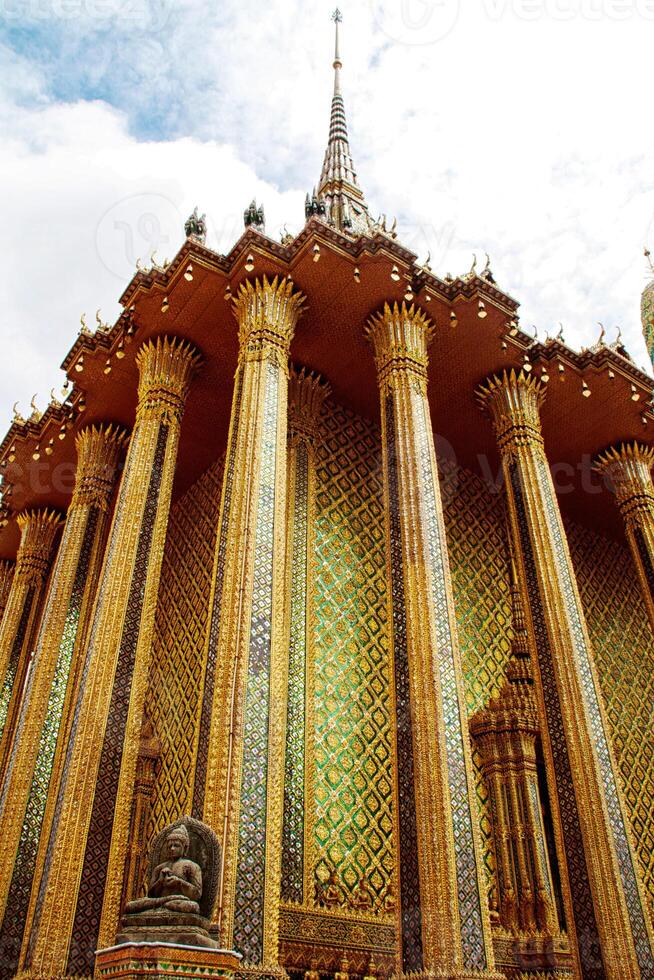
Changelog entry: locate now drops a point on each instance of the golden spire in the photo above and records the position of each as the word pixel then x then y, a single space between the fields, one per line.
pixel 339 196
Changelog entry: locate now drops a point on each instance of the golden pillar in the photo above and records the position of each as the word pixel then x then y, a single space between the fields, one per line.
pixel 306 394
pixel 57 650
pixel 6 578
pixel 21 616
pixel 76 906
pixel 442 917
pixel 605 902
pixel 627 468
pixel 244 702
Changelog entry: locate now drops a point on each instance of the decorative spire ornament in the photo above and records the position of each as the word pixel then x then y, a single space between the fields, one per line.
pixel 339 196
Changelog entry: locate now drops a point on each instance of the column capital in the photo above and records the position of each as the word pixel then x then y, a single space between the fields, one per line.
pixel 513 399
pixel 267 312
pixel 98 452
pixel 401 336
pixel 38 529
pixel 627 468
pixel 307 391
pixel 166 366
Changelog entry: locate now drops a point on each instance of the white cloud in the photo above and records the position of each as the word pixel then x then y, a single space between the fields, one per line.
pixel 526 137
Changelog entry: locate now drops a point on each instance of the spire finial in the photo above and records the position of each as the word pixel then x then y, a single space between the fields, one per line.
pixel 337 17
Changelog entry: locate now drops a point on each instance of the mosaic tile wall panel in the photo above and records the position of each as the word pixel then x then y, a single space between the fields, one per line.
pixel 173 699
pixel 626 862
pixel 645 558
pixel 251 858
pixel 11 930
pixel 294 759
pixel 590 954
pixel 624 654
pixel 472 939
pixel 214 621
pixel 352 775
pixel 86 923
pixel 81 686
pixel 409 873
pixel 475 523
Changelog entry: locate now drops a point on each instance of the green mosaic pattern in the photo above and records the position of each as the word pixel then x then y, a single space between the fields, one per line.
pixel 13 925
pixel 353 770
pixel 251 857
pixel 294 759
pixel 475 523
pixel 628 871
pixel 624 653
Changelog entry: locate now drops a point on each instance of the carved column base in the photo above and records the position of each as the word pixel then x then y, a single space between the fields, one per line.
pixel 161 961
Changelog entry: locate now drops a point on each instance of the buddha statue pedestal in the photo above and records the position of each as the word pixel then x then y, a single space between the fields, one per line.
pixel 162 926
pixel 162 961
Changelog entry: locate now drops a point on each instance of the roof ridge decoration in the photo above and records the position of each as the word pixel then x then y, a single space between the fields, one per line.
pixel 339 198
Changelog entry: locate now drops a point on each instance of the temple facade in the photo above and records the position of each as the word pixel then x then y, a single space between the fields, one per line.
pixel 327 553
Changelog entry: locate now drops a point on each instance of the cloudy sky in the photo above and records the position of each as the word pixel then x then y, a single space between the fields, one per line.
pixel 518 127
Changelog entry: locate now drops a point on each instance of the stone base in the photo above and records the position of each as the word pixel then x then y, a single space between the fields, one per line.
pixel 164 961
pixel 165 927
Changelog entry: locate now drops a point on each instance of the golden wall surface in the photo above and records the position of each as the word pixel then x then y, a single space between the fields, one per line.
pixel 174 696
pixel 349 816
pixel 624 648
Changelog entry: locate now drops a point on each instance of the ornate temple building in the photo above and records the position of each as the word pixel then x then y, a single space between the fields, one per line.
pixel 326 553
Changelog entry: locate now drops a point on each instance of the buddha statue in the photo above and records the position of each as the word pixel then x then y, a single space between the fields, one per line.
pixel 361 899
pixel 176 883
pixel 184 865
pixel 332 895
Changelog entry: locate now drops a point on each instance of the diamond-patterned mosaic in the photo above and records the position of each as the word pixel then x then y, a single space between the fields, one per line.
pixel 592 695
pixel 590 953
pixel 173 699
pixel 475 522
pixel 472 939
pixel 14 657
pixel 353 771
pixel 86 924
pixel 624 652
pixel 410 905
pixel 11 930
pixel 292 889
pixel 251 859
pixel 214 614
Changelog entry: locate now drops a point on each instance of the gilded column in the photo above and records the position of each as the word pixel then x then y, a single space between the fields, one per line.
pixel 76 907
pixel 244 725
pixel 442 918
pixel 6 578
pixel 38 532
pixel 605 902
pixel 627 468
pixel 30 767
pixel 306 394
